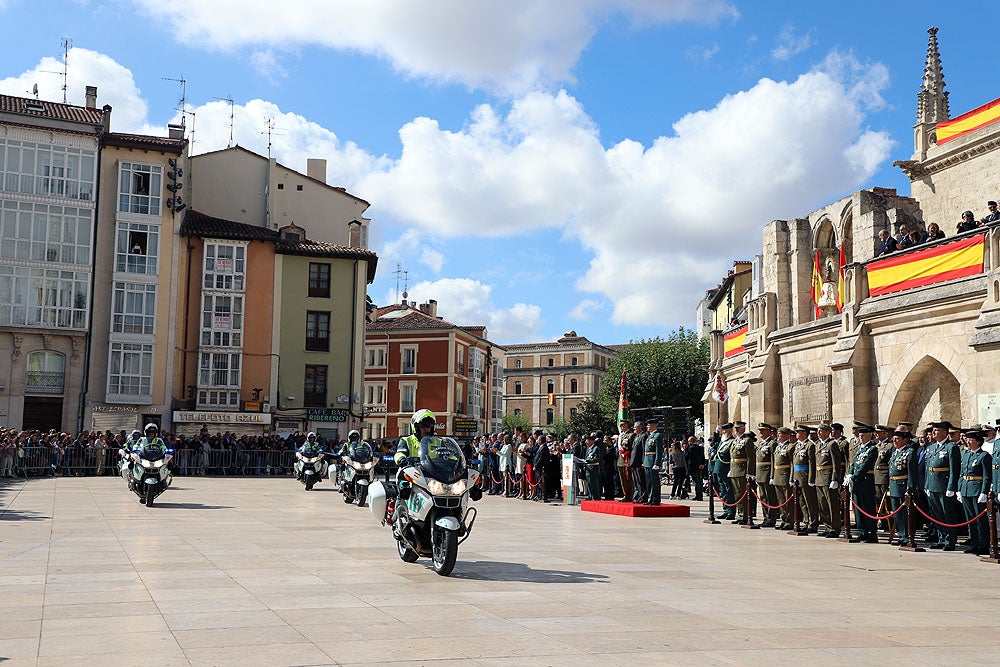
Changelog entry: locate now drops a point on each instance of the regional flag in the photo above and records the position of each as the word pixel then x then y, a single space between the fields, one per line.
pixel 622 401
pixel 936 264
pixel 968 122
pixel 817 285
pixel 735 341
pixel 840 280
pixel 719 392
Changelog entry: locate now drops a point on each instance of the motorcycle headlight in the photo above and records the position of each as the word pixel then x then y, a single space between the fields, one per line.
pixel 146 463
pixel 435 487
pixel 369 465
pixel 458 488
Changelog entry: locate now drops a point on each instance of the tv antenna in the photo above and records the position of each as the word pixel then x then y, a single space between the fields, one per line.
pixel 232 115
pixel 271 132
pixel 182 103
pixel 67 44
pixel 405 275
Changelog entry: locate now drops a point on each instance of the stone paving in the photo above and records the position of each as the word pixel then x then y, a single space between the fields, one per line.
pixel 257 571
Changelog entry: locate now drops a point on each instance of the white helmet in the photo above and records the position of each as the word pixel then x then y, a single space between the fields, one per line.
pixel 152 426
pixel 136 432
pixel 354 435
pixel 312 434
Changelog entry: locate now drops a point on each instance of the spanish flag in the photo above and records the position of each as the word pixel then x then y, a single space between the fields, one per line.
pixel 735 341
pixel 840 280
pixel 817 284
pixel 968 122
pixel 936 264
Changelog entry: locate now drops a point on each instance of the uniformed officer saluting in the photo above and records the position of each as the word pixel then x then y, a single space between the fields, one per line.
pixel 741 463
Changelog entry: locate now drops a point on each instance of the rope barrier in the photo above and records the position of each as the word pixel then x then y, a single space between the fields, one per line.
pixel 772 507
pixel 876 517
pixel 742 498
pixel 949 525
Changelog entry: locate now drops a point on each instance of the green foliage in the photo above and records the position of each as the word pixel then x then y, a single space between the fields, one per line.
pixel 560 428
pixel 512 421
pixel 659 372
pixel 592 416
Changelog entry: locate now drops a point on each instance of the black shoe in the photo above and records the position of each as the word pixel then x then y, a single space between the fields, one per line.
pixel 873 540
pixel 948 547
pixel 855 540
pixel 937 546
pixel 833 533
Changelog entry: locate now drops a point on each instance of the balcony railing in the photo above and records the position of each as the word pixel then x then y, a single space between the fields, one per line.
pixel 45 382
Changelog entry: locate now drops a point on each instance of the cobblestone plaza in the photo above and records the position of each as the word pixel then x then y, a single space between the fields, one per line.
pixel 255 571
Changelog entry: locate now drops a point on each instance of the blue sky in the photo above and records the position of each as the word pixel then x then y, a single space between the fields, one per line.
pixel 534 165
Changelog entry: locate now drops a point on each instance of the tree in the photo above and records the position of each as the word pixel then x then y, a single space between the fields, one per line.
pixel 560 428
pixel 590 417
pixel 659 372
pixel 512 421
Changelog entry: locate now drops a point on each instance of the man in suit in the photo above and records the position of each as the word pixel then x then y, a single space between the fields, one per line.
pixel 696 465
pixel 635 461
pixel 652 460
pixel 886 243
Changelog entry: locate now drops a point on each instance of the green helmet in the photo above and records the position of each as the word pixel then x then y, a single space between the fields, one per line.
pixel 419 417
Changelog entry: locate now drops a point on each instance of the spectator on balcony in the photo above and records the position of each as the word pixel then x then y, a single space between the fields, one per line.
pixel 912 239
pixel 993 216
pixel 933 233
pixel 968 223
pixel 902 236
pixel 887 244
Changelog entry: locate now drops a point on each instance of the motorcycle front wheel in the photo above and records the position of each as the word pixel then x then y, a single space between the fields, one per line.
pixel 444 553
pixel 149 495
pixel 406 554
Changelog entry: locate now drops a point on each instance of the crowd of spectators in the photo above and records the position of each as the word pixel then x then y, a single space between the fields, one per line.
pixel 908 238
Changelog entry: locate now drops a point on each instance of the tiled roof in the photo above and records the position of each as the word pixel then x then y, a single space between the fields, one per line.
pixel 579 342
pixel 206 226
pixel 413 321
pixel 318 249
pixel 145 141
pixel 32 108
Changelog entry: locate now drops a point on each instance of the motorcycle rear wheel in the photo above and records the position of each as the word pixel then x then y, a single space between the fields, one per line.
pixel 406 554
pixel 445 552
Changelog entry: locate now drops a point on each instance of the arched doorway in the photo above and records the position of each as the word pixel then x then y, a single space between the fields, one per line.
pixel 930 392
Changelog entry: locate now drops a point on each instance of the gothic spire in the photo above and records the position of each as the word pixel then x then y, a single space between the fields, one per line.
pixel 932 100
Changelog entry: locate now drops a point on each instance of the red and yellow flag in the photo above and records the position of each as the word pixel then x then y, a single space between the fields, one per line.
pixel 735 341
pixel 817 284
pixel 840 280
pixel 937 264
pixel 968 122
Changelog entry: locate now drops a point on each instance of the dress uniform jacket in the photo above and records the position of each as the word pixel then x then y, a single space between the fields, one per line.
pixel 829 464
pixel 903 473
pixel 653 450
pixel 722 456
pixel 741 458
pixel 942 465
pixel 762 456
pixel 781 458
pixel 804 464
pixel 885 449
pixel 977 468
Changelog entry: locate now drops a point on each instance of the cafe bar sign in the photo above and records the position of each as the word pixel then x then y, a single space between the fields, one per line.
pixel 326 414
pixel 185 417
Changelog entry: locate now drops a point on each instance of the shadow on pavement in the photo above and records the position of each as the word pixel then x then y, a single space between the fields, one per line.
pixel 17 515
pixel 189 506
pixel 500 571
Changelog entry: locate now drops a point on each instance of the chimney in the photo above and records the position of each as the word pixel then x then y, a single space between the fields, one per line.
pixel 92 97
pixel 106 118
pixel 175 131
pixel 354 232
pixel 432 308
pixel 425 308
pixel 316 169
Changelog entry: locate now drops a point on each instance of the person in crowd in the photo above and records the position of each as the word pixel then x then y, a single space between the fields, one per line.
pixel 696 466
pixel 595 455
pixel 973 485
pixel 652 460
pixel 989 437
pixel 902 478
pixel 943 463
pixel 860 479
pixel 635 461
pixel 886 245
pixel 624 448
pixel 804 474
pixel 720 469
pixel 764 473
pixel 902 237
pixel 678 466
pixel 934 233
pixel 505 464
pixel 992 216
pixel 830 470
pixel 967 224
pixel 741 463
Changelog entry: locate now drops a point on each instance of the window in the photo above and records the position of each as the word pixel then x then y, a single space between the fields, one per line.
pixel 219 398
pixel 219 369
pixel 45 233
pixel 319 280
pixel 409 360
pixel 550 387
pixel 281 186
pixel 550 415
pixel 130 369
pixel 298 187
pixel 222 320
pixel 572 412
pixel 133 309
pixel 375 357
pixel 572 362
pixel 46 372
pixel 136 248
pixel 225 267
pixel 573 386
pixel 314 392
pixel 49 171
pixel 376 394
pixel 47 298
pixel 517 411
pixel 459 399
pixel 317 331
pixel 460 356
pixel 407 397
pixel 139 188
pixel 517 363
pixel 552 362
pixel 517 388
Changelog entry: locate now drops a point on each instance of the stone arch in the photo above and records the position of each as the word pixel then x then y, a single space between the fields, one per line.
pixel 825 235
pixel 929 392
pixel 847 232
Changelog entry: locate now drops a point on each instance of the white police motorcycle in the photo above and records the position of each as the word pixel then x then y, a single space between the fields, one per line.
pixel 428 507
pixel 359 468
pixel 310 467
pixel 151 474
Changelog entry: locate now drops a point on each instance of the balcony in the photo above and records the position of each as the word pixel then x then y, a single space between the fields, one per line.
pixel 409 369
pixel 45 382
pixel 407 406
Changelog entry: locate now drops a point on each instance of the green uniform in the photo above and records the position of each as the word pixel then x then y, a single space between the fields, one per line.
pixel 976 471
pixel 763 471
pixel 804 472
pixel 861 476
pixel 943 464
pixel 885 450
pixel 741 463
pixel 903 475
pixel 722 463
pixel 652 460
pixel 829 472
pixel 781 467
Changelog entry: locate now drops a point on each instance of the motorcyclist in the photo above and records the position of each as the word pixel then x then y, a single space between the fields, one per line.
pixel 152 439
pixel 311 447
pixel 422 426
pixel 353 440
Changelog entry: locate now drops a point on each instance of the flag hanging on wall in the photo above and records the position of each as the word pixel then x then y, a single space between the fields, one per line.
pixel 840 280
pixel 719 392
pixel 817 285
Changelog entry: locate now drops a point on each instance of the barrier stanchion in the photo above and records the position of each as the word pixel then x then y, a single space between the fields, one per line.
pixel 796 514
pixel 749 508
pixel 845 504
pixel 991 513
pixel 711 502
pixel 911 524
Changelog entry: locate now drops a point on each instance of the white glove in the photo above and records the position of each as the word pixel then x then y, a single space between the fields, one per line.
pixel 656 467
pixel 833 484
pixel 847 479
pixel 812 483
pixel 927 491
pixel 949 494
pixel 982 498
pixel 771 482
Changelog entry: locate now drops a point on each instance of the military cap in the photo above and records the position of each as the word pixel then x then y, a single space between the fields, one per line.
pixel 991 203
pixel 865 428
pixel 946 425
pixel 801 427
pixel 883 427
pixel 988 427
pixel 786 430
pixel 727 425
pixel 739 423
pixel 653 420
pixel 976 435
pixel 824 426
pixel 902 434
pixel 902 423
pixel 955 429
pixel 589 436
pixel 837 426
pixel 858 424
pixel 765 425
pixel 748 436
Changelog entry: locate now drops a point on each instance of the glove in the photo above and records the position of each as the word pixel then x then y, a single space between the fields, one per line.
pixel 847 479
pixel 833 484
pixel 982 498
pixel 656 467
pixel 812 483
pixel 949 494
pixel 771 482
pixel 751 479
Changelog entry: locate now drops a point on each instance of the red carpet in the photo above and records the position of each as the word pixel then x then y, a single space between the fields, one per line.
pixel 633 509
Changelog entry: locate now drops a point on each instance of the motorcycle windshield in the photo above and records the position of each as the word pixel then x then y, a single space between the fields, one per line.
pixel 442 459
pixel 362 453
pixel 151 453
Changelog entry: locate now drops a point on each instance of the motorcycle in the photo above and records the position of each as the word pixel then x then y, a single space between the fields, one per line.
pixel 310 468
pixel 151 474
pixel 358 472
pixel 428 507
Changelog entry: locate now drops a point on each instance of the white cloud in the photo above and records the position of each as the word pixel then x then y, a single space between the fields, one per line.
pixel 584 309
pixel 701 54
pixel 468 302
pixel 267 65
pixel 791 44
pixel 115 85
pixel 432 259
pixel 508 45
